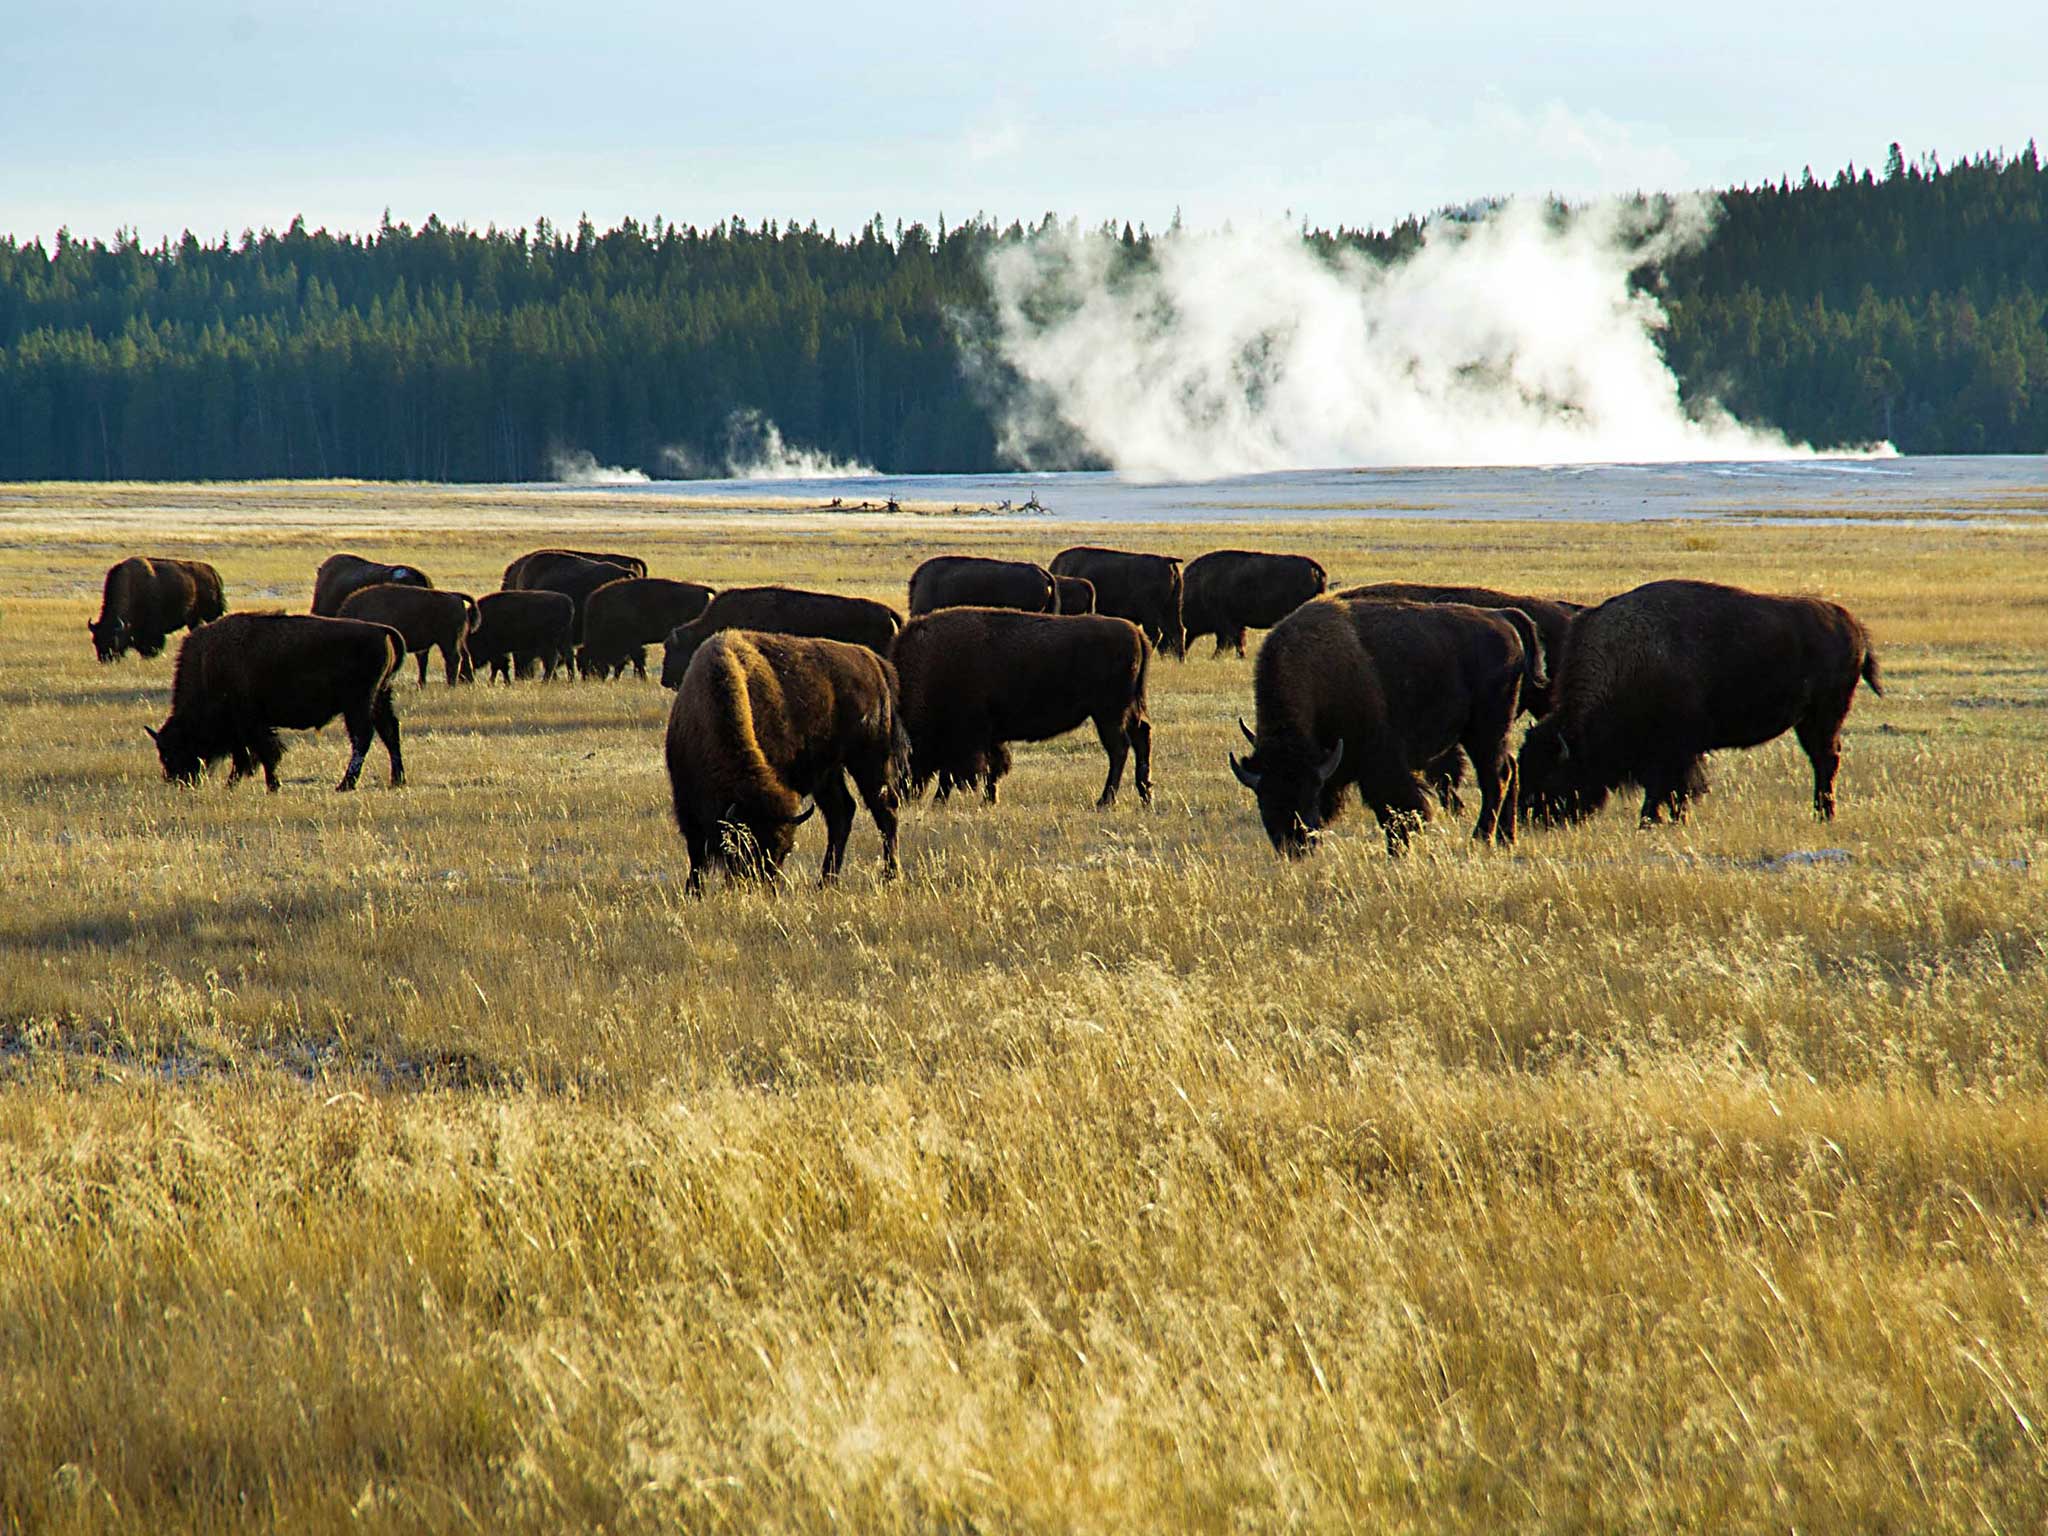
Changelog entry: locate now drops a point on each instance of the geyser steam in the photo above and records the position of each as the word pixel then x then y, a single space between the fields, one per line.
pixel 1512 338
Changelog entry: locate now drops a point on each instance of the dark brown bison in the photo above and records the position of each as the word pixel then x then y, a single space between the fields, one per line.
pixel 241 679
pixel 339 575
pixel 762 721
pixel 1656 678
pixel 782 611
pixel 573 576
pixel 975 679
pixel 622 618
pixel 516 629
pixel 517 574
pixel 1372 694
pixel 1074 594
pixel 146 597
pixel 428 619
pixel 1146 589
pixel 1228 591
pixel 971 581
pixel 1553 620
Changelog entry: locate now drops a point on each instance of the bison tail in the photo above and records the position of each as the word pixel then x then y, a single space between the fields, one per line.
pixel 1535 667
pixel 1870 672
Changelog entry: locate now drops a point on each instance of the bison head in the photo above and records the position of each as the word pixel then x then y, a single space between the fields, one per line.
pixel 753 841
pixel 1554 785
pixel 109 636
pixel 182 759
pixel 680 646
pixel 1290 789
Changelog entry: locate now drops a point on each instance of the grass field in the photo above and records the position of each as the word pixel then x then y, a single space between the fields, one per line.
pixel 426 1160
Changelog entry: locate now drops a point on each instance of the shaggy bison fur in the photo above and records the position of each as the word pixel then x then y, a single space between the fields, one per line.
pixel 762 721
pixel 782 611
pixel 339 575
pixel 243 678
pixel 972 581
pixel 1146 589
pixel 146 597
pixel 1657 678
pixel 1371 694
pixel 428 619
pixel 540 561
pixel 1228 591
pixel 975 679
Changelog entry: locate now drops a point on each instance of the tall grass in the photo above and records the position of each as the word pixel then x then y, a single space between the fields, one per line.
pixel 426 1160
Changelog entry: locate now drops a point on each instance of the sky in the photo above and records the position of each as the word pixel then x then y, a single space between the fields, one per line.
pixel 224 115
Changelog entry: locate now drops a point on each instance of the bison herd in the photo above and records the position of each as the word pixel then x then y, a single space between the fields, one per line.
pixel 784 695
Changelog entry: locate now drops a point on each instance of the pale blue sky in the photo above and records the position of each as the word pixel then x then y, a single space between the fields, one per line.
pixel 223 114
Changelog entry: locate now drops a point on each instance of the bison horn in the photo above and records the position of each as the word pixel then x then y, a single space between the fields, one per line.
pixel 1245 776
pixel 1248 736
pixel 1329 764
pixel 803 816
pixel 150 732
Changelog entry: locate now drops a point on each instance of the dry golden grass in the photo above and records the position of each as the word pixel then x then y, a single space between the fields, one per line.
pixel 425 1160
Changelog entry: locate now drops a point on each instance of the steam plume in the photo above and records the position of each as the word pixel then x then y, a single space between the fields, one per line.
pixel 1512 337
pixel 580 467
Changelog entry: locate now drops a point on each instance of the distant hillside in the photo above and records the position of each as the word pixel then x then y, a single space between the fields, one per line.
pixel 1911 304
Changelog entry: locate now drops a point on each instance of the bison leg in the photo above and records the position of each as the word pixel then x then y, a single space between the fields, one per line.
pixel 1821 737
pixel 1664 788
pixel 385 719
pixel 1236 642
pixel 1495 770
pixel 836 801
pixel 1116 742
pixel 997 763
pixel 1401 807
pixel 1444 774
pixel 871 778
pixel 1140 731
pixel 639 663
pixel 451 661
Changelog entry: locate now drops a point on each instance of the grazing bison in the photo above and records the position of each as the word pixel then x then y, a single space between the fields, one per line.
pixel 975 679
pixel 516 629
pixel 970 581
pixel 573 576
pixel 339 575
pixel 1228 591
pixel 1553 620
pixel 1074 594
pixel 782 611
pixel 622 618
pixel 241 679
pixel 1658 677
pixel 1372 694
pixel 145 598
pixel 762 721
pixel 519 572
pixel 428 619
pixel 1146 589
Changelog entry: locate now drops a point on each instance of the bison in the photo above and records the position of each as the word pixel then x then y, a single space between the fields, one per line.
pixel 622 618
pixel 146 597
pixel 573 576
pixel 1228 591
pixel 762 721
pixel 1372 694
pixel 1658 677
pixel 516 629
pixel 1074 594
pixel 971 581
pixel 339 575
pixel 782 611
pixel 975 679
pixel 1146 589
pixel 427 617
pixel 538 561
pixel 241 679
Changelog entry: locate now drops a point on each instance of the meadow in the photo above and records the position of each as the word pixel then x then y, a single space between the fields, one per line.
pixel 427 1160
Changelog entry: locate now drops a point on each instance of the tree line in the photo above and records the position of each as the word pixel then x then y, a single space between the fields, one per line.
pixel 1910 305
